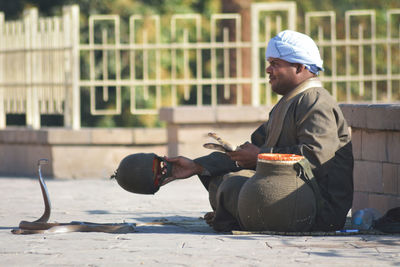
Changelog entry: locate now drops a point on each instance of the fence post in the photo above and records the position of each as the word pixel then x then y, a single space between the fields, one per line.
pixel 76 100
pixel 255 55
pixel 67 67
pixel 72 69
pixel 32 104
pixel 2 66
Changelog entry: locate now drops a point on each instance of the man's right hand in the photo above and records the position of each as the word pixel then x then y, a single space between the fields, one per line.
pixel 182 168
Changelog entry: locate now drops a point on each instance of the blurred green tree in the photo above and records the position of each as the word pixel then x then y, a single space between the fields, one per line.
pixel 125 8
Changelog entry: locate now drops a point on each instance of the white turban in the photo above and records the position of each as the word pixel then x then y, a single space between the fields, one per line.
pixel 295 47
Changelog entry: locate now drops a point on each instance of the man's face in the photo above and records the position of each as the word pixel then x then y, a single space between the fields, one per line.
pixel 282 75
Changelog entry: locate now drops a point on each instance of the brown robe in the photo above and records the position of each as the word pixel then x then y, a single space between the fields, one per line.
pixel 314 127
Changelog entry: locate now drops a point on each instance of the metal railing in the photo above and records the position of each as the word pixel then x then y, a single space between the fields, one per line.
pixel 360 67
pixel 40 67
pixel 181 60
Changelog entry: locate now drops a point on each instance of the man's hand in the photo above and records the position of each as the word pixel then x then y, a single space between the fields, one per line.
pixel 245 155
pixel 182 168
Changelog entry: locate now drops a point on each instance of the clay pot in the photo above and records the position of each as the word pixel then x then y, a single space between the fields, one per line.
pixel 276 198
pixel 137 173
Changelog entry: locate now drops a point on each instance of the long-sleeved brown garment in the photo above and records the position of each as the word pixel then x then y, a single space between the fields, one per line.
pixel 314 127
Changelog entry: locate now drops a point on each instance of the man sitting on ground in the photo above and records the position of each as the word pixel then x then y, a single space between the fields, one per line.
pixel 306 121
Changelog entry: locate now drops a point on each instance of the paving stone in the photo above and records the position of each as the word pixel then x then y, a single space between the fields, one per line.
pixel 185 241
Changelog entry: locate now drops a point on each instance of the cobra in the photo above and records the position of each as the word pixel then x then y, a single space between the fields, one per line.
pixel 42 225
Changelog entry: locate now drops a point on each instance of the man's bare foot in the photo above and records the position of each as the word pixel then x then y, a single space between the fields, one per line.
pixel 209 218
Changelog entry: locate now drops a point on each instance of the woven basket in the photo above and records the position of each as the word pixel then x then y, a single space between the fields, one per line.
pixel 277 197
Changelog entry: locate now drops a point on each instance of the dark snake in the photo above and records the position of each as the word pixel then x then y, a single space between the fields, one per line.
pixel 42 225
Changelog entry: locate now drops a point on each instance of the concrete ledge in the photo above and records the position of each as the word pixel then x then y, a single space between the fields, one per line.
pixel 187 127
pixel 372 116
pixel 85 153
pixel 86 136
pixel 220 114
pixel 368 116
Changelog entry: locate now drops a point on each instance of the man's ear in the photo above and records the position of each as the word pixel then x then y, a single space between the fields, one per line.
pixel 299 68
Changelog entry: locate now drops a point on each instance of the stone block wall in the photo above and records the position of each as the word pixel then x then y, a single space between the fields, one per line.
pixel 376 148
pixel 85 153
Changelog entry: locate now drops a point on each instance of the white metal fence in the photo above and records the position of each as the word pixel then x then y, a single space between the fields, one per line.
pixel 39 67
pixel 181 60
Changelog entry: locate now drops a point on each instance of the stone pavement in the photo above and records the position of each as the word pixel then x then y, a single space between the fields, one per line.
pixel 181 239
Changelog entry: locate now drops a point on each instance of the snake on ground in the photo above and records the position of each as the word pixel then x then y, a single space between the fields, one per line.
pixel 42 225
